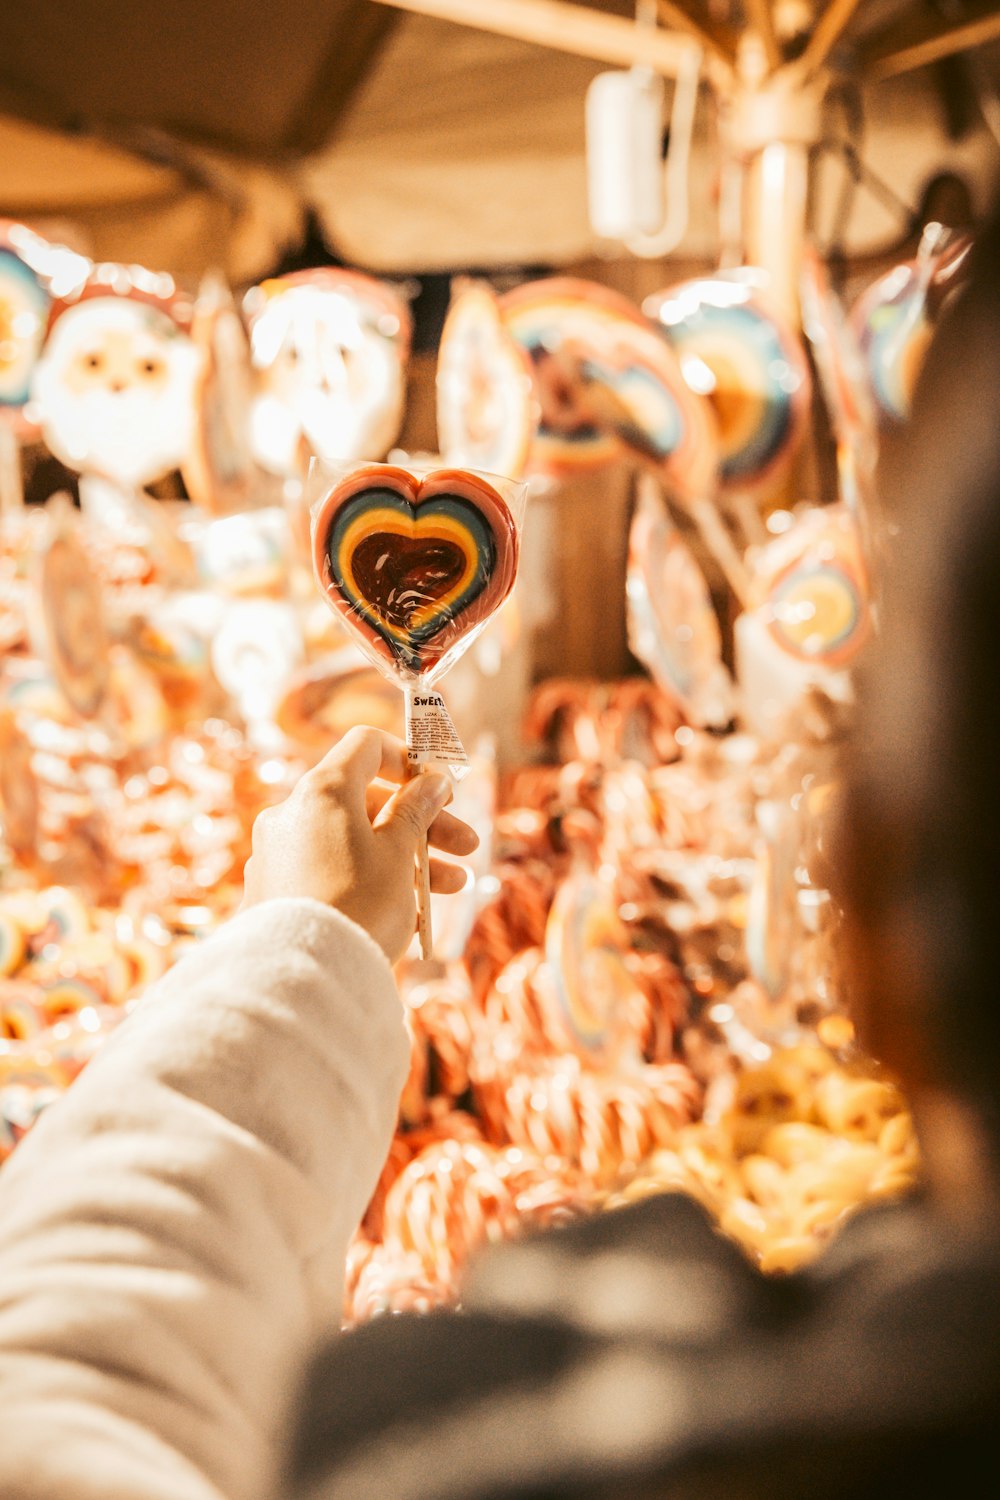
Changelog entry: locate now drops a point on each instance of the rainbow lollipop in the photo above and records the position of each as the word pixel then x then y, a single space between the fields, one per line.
pixel 734 348
pixel 607 383
pixel 672 626
pixel 25 301
pixel 415 564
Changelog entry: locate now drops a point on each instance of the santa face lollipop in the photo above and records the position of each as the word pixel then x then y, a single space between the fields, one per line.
pixel 413 564
pixel 330 347
pixel 115 386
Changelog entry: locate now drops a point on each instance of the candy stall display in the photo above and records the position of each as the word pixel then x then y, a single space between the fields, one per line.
pixel 637 991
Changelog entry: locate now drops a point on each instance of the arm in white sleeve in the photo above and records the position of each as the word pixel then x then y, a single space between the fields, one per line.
pixel 173 1228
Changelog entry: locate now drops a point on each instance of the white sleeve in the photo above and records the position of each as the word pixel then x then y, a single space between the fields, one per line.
pixel 173 1230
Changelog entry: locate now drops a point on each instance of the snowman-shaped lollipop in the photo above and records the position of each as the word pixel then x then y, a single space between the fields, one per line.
pixel 416 563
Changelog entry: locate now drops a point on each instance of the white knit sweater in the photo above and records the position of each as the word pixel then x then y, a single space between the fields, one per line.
pixel 173 1231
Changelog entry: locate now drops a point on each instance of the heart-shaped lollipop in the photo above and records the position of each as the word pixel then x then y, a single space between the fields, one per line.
pixel 414 564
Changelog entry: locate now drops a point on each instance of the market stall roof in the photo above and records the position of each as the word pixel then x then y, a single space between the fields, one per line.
pixel 199 132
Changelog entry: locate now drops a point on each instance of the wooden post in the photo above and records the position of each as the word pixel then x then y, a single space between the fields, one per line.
pixel 773 123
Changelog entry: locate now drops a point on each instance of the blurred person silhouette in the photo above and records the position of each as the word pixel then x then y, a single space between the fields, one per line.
pixel 167 1228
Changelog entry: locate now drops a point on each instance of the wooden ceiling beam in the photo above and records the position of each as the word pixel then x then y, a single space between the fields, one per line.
pixel 825 36
pixel 713 39
pixel 761 18
pixel 891 53
pixel 569 27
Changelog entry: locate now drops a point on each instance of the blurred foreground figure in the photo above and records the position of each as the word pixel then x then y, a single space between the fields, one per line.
pixel 166 1229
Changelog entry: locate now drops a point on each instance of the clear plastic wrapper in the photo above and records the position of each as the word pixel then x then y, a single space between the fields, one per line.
pixel 486 407
pixel 672 625
pixel 330 348
pixel 416 561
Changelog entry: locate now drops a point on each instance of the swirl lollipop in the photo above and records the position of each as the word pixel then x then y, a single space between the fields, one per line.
pixel 24 312
pixel 608 383
pixel 416 564
pixel 894 319
pixel 734 348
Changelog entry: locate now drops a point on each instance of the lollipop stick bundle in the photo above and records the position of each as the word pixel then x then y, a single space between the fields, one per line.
pixel 416 563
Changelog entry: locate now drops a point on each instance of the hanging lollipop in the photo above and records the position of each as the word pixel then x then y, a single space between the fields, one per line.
pixel 672 626
pixel 808 616
pixel 894 319
pixel 329 348
pixel 734 348
pixel 416 563
pixel 116 380
pixel 29 267
pixel 24 312
pixel 608 384
pixel 486 409
pixel 219 470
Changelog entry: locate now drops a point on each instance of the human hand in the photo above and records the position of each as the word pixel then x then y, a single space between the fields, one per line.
pixel 352 844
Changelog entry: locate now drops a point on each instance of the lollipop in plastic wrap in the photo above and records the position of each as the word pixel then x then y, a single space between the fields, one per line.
pixel 416 563
pixel 894 319
pixel 608 384
pixel 115 385
pixel 807 619
pixel 672 626
pixel 486 408
pixel 735 348
pixel 329 348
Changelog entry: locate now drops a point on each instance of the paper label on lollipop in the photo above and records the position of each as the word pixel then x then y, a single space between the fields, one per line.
pixel 431 737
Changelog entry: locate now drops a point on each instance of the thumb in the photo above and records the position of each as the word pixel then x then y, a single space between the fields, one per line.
pixel 407 816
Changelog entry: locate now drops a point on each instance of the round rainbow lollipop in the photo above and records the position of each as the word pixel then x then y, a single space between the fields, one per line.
pixel 414 565
pixel 608 383
pixel 734 348
pixel 25 301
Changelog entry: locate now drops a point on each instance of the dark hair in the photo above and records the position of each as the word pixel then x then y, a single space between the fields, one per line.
pixel 922 834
